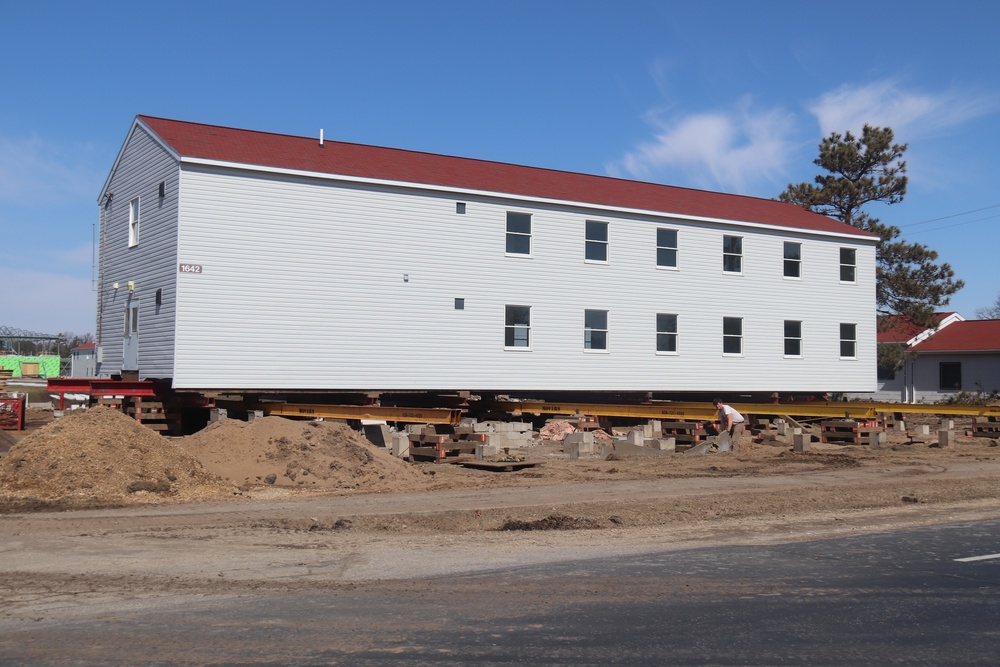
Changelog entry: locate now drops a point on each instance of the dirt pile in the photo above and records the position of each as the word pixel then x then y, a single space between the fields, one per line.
pixel 100 457
pixel 312 455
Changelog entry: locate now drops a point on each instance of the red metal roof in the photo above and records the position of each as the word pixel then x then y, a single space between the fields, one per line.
pixel 898 329
pixel 265 149
pixel 967 336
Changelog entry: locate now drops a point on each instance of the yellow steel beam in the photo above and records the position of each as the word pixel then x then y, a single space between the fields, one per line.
pixel 375 412
pixel 705 411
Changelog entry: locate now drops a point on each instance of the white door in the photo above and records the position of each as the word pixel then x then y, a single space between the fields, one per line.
pixel 130 344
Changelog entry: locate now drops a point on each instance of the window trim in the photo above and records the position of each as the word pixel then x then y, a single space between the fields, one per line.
pixel 675 248
pixel 134 214
pixel 787 339
pixel 728 255
pixel 517 234
pixel 853 341
pixel 853 266
pixel 588 332
pixel 515 327
pixel 667 332
pixel 786 261
pixel 588 242
pixel 739 337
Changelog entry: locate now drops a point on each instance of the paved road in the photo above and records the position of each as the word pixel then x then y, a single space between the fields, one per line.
pixel 895 598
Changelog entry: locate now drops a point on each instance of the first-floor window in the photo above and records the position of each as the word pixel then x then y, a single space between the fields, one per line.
pixel 793 338
pixel 517 326
pixel 848 341
pixel 595 329
pixel 666 332
pixel 732 335
pixel 951 375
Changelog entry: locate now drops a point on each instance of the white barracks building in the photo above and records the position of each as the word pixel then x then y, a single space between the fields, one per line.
pixel 236 259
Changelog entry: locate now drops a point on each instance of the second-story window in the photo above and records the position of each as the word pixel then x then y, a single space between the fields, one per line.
pixel 793 260
pixel 848 265
pixel 597 242
pixel 666 248
pixel 133 222
pixel 732 254
pixel 518 233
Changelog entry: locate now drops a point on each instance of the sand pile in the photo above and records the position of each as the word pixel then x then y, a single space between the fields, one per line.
pixel 312 455
pixel 101 457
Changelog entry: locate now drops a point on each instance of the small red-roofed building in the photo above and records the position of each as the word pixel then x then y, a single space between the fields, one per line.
pixel 962 357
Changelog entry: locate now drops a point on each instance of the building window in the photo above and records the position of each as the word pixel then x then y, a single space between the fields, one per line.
pixel 950 373
pixel 666 248
pixel 595 329
pixel 793 338
pixel 597 241
pixel 131 320
pixel 732 335
pixel 666 333
pixel 133 222
pixel 459 303
pixel 793 260
pixel 518 233
pixel 848 341
pixel 848 265
pixel 732 254
pixel 517 326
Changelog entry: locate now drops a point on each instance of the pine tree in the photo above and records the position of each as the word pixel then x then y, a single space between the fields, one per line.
pixel 869 169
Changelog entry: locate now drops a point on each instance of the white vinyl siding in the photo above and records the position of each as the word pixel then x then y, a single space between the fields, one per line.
pixel 355 323
pixel 150 265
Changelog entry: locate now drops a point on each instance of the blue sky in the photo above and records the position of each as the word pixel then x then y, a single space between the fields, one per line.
pixel 732 96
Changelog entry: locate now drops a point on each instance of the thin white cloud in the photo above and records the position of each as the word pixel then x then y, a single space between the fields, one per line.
pixel 886 104
pixel 38 172
pixel 731 150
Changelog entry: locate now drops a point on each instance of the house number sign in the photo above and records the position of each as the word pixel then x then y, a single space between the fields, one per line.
pixel 190 268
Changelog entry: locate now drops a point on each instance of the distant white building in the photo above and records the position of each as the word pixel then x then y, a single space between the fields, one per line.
pixel 236 259
pixel 83 361
pixel 963 357
pixel 896 384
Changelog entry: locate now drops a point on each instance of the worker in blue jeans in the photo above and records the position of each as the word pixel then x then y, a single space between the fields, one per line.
pixel 732 423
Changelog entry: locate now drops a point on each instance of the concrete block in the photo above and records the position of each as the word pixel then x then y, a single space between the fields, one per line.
pixel 879 438
pixel 484 452
pixel 522 427
pixel 577 449
pixel 703 448
pixel 635 438
pixel 947 424
pixel 656 428
pixel 946 438
pixel 57 414
pixel 665 445
pixel 217 414
pixel 377 434
pixel 584 437
pixel 900 425
pixel 503 427
pixel 254 414
pixel 801 442
pixel 923 429
pixel 400 445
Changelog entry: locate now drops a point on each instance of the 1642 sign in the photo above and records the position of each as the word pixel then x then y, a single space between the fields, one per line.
pixel 190 268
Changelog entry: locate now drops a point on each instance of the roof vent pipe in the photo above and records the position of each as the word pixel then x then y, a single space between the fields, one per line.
pixel 321 136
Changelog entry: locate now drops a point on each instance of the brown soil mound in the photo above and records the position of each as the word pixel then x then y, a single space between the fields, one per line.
pixel 101 457
pixel 312 455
